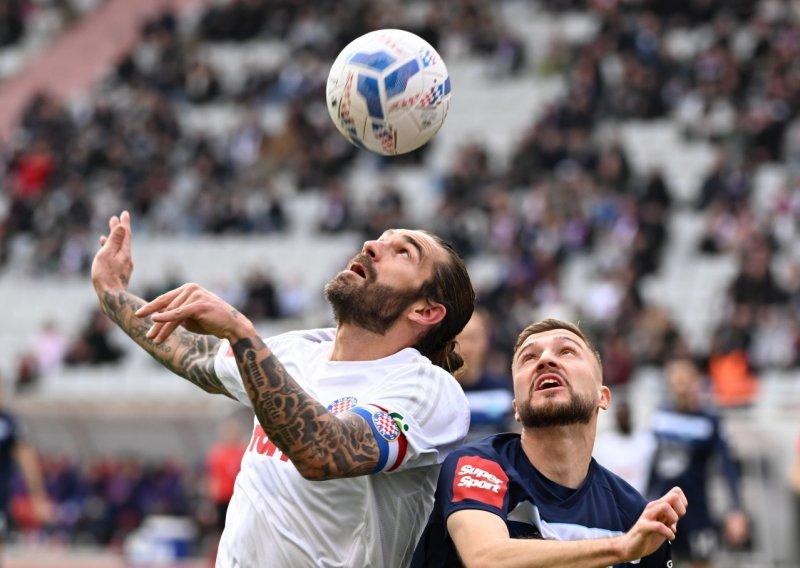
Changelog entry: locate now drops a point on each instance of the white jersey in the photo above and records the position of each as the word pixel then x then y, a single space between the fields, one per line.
pixel 630 456
pixel 279 519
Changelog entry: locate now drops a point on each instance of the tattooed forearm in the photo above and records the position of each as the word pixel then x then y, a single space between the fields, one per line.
pixel 186 354
pixel 319 444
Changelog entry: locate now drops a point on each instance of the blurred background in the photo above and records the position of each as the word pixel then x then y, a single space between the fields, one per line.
pixel 628 164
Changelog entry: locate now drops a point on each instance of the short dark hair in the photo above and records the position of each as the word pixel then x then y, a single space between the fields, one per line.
pixel 450 286
pixel 551 324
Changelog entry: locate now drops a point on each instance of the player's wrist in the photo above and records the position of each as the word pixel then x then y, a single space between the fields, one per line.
pixel 109 285
pixel 619 548
pixel 240 328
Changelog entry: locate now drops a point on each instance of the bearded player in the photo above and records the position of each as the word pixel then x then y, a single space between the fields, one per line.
pixel 539 499
pixel 350 423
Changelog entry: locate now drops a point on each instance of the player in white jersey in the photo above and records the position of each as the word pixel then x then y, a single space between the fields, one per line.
pixel 350 423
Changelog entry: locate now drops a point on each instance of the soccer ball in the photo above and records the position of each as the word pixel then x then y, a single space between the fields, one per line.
pixel 388 91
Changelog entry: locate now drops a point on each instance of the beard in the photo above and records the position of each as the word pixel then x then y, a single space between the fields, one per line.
pixel 579 410
pixel 369 305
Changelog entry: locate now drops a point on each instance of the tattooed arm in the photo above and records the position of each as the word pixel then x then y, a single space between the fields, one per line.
pixel 187 354
pixel 321 445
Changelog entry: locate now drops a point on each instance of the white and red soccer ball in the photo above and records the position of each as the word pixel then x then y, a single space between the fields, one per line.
pixel 388 92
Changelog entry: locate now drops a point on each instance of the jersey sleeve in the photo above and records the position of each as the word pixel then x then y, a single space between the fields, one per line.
pixel 228 373
pixel 418 418
pixel 729 468
pixel 227 370
pixel 471 478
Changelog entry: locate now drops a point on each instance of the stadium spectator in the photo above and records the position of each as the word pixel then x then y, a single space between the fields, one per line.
pixel 12 21
pixel 28 373
pixel 261 296
pixel 50 347
pixel 488 392
pixel 626 450
pixel 734 381
pixel 689 437
pixel 399 305
pixel 794 485
pixel 539 499
pixel 223 461
pixel 94 346
pixel 337 215
pixel 15 451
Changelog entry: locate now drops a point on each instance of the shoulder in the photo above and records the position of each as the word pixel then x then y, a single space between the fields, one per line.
pixel 410 369
pixel 495 448
pixel 310 336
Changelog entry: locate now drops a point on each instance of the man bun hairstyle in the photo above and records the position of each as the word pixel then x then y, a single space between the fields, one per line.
pixel 450 286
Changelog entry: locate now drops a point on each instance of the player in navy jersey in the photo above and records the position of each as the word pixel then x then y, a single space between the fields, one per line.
pixel 689 439
pixel 15 450
pixel 489 394
pixel 539 499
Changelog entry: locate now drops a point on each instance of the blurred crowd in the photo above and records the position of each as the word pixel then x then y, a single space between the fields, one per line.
pixel 103 501
pixel 725 72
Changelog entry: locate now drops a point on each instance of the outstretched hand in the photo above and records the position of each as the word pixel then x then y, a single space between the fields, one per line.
pixel 196 309
pixel 113 264
pixel 658 522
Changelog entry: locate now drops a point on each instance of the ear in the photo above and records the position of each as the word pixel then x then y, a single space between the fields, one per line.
pixel 605 397
pixel 427 313
pixel 516 414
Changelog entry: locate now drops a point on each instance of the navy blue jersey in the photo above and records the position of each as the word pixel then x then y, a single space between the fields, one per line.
pixel 686 445
pixel 490 406
pixel 495 475
pixel 8 438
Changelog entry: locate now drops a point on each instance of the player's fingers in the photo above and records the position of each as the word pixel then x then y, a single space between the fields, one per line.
pixel 677 500
pixel 177 314
pixel 677 491
pixel 661 511
pixel 154 329
pixel 103 240
pixel 113 222
pixel 125 221
pixel 655 527
pixel 116 237
pixel 160 303
pixel 165 331
pixel 171 319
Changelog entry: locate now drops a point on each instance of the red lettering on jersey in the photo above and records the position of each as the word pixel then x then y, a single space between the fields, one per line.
pixel 261 444
pixel 481 480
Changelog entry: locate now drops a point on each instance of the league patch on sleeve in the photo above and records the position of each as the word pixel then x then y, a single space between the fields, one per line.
pixel 385 425
pixel 479 479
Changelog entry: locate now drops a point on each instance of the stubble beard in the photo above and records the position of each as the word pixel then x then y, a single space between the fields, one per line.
pixel 578 410
pixel 369 305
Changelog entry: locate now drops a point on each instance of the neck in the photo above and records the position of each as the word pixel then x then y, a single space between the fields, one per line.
pixel 562 453
pixel 354 343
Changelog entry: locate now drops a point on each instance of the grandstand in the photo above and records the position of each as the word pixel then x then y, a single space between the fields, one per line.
pixel 236 175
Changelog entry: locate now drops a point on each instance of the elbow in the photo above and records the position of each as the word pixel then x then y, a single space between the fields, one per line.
pixel 312 471
pixel 311 474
